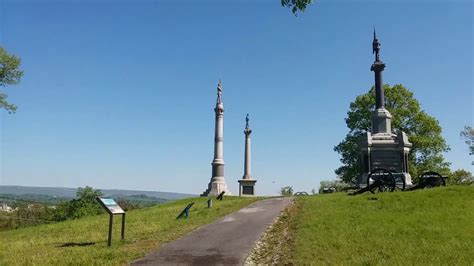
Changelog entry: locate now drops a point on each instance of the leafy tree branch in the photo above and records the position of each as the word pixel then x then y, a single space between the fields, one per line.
pixel 10 74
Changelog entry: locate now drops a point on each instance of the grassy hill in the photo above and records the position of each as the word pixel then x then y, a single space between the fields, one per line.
pixel 426 227
pixel 146 229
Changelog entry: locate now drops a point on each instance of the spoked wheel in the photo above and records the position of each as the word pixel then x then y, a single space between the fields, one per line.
pixel 432 179
pixel 399 182
pixel 381 180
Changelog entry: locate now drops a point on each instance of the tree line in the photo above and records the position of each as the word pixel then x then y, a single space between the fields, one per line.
pixel 85 204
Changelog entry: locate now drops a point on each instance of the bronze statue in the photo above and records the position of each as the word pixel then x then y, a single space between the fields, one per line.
pixel 376 47
pixel 247 121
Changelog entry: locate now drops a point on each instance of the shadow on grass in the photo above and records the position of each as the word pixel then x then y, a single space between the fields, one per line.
pixel 72 244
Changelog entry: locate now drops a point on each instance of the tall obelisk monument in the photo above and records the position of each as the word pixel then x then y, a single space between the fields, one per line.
pixel 217 183
pixel 247 183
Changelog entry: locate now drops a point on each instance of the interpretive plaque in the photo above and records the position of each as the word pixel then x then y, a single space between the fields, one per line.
pixel 111 206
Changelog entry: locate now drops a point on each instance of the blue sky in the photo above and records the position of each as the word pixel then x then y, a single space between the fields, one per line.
pixel 121 94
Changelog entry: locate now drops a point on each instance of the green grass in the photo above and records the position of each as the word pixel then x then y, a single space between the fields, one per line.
pixel 146 229
pixel 427 227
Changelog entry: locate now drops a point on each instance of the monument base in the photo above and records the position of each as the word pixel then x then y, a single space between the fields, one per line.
pixel 247 188
pixel 381 121
pixel 386 151
pixel 215 188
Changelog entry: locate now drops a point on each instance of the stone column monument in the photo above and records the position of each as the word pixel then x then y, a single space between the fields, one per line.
pixel 381 118
pixel 247 183
pixel 381 148
pixel 217 183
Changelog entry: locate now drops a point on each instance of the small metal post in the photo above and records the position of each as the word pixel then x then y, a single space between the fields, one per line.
pixel 123 226
pixel 186 213
pixel 209 203
pixel 111 222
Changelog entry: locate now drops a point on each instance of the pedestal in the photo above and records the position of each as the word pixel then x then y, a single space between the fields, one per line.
pixel 381 121
pixel 247 187
pixel 386 151
pixel 216 186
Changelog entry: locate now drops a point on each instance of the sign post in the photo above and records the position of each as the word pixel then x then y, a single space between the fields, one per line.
pixel 209 203
pixel 112 208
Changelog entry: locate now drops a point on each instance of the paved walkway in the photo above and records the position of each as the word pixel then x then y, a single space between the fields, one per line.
pixel 227 241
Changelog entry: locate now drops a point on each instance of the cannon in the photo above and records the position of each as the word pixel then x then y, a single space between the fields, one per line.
pixel 382 180
pixel 429 180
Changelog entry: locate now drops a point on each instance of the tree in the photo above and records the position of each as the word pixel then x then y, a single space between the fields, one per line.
pixel 468 135
pixel 84 205
pixel 423 131
pixel 9 75
pixel 336 184
pixel 460 177
pixel 88 194
pixel 296 5
pixel 286 191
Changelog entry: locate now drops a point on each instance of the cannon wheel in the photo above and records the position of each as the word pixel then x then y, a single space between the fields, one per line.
pixel 432 179
pixel 385 179
pixel 400 182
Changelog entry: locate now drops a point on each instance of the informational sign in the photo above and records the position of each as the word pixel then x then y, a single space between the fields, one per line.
pixel 111 206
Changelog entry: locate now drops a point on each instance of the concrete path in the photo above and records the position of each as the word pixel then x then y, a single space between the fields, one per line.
pixel 227 241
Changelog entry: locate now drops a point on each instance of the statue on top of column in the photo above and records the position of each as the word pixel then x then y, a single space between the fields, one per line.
pixel 376 47
pixel 247 121
pixel 219 92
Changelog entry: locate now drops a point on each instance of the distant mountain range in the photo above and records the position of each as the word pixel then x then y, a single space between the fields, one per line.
pixel 62 192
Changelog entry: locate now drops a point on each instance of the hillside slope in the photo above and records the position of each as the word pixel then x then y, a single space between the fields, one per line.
pixel 146 229
pixel 426 227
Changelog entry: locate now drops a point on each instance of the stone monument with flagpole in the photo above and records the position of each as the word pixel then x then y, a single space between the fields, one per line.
pixel 217 183
pixel 247 183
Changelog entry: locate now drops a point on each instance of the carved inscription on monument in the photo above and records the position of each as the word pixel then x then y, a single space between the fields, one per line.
pixel 247 190
pixel 389 160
